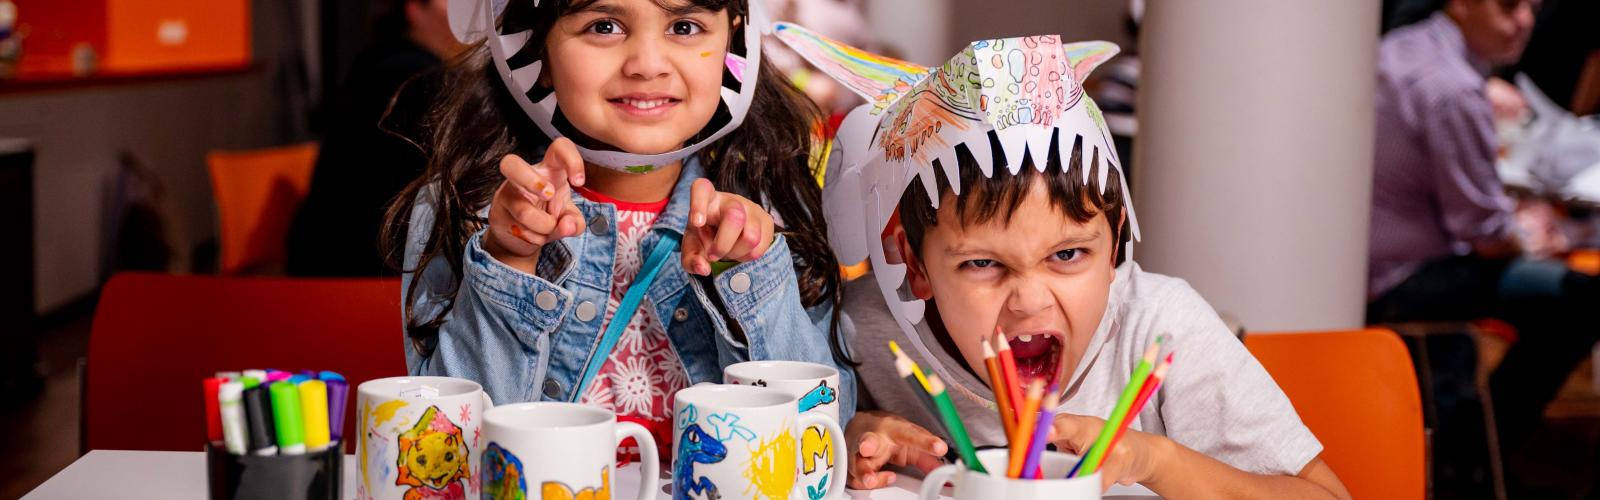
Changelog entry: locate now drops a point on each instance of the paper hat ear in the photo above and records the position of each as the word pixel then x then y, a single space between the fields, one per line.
pixel 1084 57
pixel 878 79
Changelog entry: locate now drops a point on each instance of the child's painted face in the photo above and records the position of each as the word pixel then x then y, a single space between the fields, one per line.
pixel 1041 277
pixel 638 76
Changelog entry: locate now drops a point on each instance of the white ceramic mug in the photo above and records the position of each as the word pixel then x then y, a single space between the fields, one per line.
pixel 971 485
pixel 735 441
pixel 560 451
pixel 418 436
pixel 817 389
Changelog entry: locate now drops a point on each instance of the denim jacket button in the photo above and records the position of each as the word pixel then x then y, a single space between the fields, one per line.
pixel 598 226
pixel 680 314
pixel 740 283
pixel 586 311
pixel 552 388
pixel 546 300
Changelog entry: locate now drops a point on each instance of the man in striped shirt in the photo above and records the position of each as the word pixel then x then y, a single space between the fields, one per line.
pixel 1444 241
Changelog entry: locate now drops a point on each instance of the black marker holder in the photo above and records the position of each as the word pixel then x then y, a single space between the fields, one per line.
pixel 312 476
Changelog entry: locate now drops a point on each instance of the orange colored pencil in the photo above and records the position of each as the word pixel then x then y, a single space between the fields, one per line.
pixel 1008 372
pixel 1024 434
pixel 1002 397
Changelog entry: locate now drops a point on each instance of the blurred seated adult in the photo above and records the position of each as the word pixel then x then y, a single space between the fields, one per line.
pixel 365 158
pixel 1445 242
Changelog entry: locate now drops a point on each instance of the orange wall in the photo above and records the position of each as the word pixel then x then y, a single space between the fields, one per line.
pixel 134 36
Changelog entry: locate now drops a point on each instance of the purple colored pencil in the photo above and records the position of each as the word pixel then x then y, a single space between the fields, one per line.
pixel 338 392
pixel 1041 432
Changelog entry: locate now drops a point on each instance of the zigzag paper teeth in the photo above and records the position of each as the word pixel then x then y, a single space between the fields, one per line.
pixel 982 154
pixel 1091 160
pixel 512 43
pixel 1015 143
pixel 952 169
pixel 925 174
pixel 527 76
pixel 1039 144
pixel 1110 163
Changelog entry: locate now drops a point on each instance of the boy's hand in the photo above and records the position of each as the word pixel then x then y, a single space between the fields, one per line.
pixel 878 438
pixel 723 226
pixel 1133 460
pixel 533 207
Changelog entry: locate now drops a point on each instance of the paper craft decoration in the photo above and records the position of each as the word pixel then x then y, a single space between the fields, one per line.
pixel 515 58
pixel 1020 91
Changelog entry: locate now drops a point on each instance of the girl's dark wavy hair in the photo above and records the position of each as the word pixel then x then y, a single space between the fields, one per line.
pixel 475 122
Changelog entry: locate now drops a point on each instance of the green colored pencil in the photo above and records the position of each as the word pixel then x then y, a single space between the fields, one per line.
pixel 952 421
pixel 1097 451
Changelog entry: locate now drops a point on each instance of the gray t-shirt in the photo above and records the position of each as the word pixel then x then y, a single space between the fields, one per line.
pixel 1216 399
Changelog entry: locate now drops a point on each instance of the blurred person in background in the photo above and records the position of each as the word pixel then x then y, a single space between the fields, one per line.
pixel 1445 242
pixel 366 158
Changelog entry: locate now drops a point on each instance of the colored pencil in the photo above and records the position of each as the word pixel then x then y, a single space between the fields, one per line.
pixel 1150 386
pixel 1097 451
pixel 1041 432
pixel 1024 435
pixel 997 383
pixel 906 367
pixel 952 420
pixel 915 370
pixel 1008 371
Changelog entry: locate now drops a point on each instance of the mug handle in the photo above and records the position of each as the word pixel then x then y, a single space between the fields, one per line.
pixel 934 481
pixel 841 454
pixel 650 473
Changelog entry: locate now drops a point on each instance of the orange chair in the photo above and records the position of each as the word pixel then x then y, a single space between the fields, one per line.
pixel 156 337
pixel 1358 393
pixel 257 192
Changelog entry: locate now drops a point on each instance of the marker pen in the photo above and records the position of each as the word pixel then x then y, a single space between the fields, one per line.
pixel 338 392
pixel 258 421
pixel 213 413
pixel 327 375
pixel 314 410
pixel 231 376
pixel 274 377
pixel 230 397
pixel 286 418
pixel 259 375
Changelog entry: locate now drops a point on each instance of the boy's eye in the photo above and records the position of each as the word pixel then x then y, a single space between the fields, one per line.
pixel 980 263
pixel 685 28
pixel 1069 254
pixel 605 27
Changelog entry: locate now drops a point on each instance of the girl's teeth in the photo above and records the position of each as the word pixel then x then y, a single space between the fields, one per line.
pixel 646 104
pixel 1025 338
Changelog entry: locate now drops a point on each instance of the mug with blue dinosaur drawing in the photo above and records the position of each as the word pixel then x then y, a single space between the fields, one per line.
pixel 817 387
pixel 739 441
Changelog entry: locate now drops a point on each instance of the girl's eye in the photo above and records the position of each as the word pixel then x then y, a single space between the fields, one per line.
pixel 1069 255
pixel 685 28
pixel 605 27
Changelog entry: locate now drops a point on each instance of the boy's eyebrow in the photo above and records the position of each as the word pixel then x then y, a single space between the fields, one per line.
pixel 961 251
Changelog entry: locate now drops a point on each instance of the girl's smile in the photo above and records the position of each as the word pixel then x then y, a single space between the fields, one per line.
pixel 644 106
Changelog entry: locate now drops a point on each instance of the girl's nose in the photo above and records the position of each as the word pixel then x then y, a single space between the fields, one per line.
pixel 647 59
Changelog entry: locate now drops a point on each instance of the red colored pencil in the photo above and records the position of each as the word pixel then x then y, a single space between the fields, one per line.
pixel 1149 389
pixel 1008 371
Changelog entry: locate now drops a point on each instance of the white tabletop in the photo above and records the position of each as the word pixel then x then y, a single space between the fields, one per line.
pixel 166 475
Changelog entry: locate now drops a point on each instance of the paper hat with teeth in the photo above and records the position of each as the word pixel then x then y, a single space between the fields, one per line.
pixel 1022 92
pixel 519 63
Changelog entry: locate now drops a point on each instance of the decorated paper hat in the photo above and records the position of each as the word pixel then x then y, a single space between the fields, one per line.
pixel 515 56
pixel 1017 93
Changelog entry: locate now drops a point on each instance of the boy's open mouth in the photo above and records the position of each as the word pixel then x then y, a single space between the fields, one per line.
pixel 1038 357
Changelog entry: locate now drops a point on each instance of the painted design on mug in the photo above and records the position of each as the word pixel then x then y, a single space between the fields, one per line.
pixel 433 458
pixel 553 490
pixel 695 446
pixel 818 396
pixel 687 416
pixel 726 427
pixel 816 443
pixel 818 491
pixel 771 470
pixel 502 475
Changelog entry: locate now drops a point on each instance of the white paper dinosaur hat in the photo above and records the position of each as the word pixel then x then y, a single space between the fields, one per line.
pixel 519 67
pixel 1021 91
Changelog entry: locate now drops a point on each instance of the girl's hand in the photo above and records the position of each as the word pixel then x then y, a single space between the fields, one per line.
pixel 723 226
pixel 1133 460
pixel 878 438
pixel 533 207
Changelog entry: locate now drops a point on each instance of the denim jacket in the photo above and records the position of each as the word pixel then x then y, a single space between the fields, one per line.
pixel 529 337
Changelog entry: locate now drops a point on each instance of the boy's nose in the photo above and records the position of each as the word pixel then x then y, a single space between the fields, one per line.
pixel 1029 296
pixel 647 59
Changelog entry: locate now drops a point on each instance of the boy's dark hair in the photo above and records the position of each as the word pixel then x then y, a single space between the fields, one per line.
pixel 999 195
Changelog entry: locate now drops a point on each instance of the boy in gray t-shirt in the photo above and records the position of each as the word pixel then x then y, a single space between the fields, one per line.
pixel 982 192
